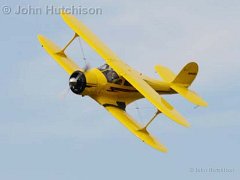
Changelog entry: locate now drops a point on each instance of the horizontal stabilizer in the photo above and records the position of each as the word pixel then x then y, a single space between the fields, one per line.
pixel 165 73
pixel 189 95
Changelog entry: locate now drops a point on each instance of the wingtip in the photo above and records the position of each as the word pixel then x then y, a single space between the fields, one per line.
pixel 164 150
pixel 185 123
pixel 188 125
pixel 39 36
pixel 205 104
pixel 64 13
pixel 41 39
pixel 160 148
pixel 201 102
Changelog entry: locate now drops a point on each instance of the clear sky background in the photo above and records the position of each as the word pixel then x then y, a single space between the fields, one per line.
pixel 43 136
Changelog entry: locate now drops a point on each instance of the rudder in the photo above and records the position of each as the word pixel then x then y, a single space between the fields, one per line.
pixel 187 74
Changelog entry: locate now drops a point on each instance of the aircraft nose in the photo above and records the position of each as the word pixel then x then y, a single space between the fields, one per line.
pixel 77 82
pixel 73 80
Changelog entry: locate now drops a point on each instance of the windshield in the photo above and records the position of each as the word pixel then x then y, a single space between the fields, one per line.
pixel 103 67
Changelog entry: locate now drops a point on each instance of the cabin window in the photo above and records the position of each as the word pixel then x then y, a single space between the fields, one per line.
pixel 110 74
pixel 126 83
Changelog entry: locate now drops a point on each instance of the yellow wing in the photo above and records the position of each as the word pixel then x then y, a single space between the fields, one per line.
pixel 53 50
pixel 135 128
pixel 165 73
pixel 123 69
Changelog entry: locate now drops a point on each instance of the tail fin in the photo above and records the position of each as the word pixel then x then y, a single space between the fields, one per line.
pixel 187 74
pixel 185 77
pixel 182 81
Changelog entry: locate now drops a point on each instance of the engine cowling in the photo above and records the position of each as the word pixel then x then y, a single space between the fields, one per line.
pixel 77 82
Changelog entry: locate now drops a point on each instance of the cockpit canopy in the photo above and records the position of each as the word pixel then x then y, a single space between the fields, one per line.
pixel 110 74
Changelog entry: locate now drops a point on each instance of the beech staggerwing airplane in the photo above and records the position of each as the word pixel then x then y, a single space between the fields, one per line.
pixel 115 85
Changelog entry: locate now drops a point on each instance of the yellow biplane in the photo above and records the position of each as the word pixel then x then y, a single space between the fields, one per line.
pixel 115 85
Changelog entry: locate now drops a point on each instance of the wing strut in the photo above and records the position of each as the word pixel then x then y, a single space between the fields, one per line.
pixel 62 52
pixel 151 120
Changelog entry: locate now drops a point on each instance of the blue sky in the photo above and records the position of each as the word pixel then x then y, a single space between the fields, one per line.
pixel 45 137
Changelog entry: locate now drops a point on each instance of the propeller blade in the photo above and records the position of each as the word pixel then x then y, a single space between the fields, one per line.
pixel 86 68
pixel 64 93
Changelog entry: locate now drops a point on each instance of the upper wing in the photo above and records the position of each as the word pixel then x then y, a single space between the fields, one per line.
pixel 123 69
pixel 150 94
pixel 53 50
pixel 135 128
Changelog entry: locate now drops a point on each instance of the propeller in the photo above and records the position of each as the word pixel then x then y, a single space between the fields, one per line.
pixel 64 93
pixel 86 67
pixel 74 80
pixel 77 82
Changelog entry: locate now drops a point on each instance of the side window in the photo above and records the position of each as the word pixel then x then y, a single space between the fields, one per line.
pixel 126 83
pixel 110 74
pixel 118 81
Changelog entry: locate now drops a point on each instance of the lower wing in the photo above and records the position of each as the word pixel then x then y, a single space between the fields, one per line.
pixel 135 128
pixel 53 50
